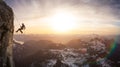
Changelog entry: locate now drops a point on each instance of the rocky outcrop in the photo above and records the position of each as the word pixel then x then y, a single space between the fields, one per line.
pixel 6 35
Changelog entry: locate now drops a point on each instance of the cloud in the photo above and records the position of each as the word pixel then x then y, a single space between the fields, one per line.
pixel 106 12
pixel 111 6
pixel 117 23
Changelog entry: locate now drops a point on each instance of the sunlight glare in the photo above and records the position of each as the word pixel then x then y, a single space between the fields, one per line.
pixel 63 22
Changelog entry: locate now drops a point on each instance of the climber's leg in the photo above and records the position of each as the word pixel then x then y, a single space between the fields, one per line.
pixel 17 30
pixel 21 31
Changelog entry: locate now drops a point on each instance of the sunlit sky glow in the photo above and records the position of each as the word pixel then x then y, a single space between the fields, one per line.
pixel 67 16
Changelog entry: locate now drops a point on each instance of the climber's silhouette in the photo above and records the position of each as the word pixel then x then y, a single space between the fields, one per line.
pixel 21 28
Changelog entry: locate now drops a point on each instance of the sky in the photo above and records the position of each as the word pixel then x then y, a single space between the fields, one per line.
pixel 67 16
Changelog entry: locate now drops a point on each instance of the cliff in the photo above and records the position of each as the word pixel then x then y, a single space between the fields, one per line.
pixel 6 35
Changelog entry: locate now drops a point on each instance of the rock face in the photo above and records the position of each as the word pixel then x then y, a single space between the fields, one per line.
pixel 6 35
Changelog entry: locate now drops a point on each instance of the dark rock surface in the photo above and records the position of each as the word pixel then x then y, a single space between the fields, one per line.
pixel 6 35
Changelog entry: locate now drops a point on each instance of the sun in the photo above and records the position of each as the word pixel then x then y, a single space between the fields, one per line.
pixel 63 22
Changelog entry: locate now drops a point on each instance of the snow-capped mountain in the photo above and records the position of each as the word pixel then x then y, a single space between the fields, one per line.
pixel 93 52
